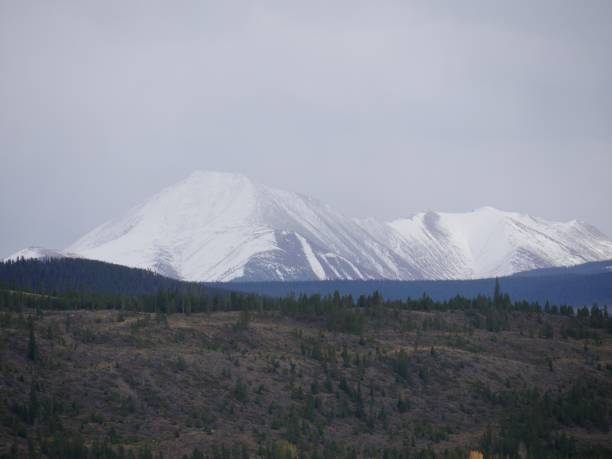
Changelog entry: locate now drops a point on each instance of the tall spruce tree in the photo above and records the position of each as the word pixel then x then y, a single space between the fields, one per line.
pixel 33 354
pixel 497 295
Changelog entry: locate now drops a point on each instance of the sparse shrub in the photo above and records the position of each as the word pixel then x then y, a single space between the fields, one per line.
pixel 401 364
pixel 244 319
pixel 240 390
pixel 403 404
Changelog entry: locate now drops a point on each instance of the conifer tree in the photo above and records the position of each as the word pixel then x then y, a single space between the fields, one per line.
pixel 497 296
pixel 33 354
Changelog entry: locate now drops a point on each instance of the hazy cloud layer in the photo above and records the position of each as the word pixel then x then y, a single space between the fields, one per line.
pixel 379 108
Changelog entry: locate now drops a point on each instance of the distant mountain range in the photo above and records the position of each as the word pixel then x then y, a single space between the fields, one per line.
pixel 220 227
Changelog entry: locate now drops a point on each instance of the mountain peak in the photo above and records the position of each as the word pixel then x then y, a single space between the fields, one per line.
pixel 214 180
pixel 221 226
pixel 203 174
pixel 489 209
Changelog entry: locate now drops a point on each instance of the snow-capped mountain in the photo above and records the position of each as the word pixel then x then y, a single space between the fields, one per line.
pixel 488 242
pixel 219 227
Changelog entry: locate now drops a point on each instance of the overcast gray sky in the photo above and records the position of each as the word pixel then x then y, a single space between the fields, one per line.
pixel 378 108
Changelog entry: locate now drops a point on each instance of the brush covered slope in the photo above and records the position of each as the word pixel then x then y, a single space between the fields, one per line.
pixel 222 227
pixel 310 378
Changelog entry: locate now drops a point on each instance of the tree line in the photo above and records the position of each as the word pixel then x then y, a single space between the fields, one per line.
pixel 36 284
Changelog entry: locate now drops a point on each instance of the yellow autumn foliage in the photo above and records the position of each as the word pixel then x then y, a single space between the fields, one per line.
pixel 285 450
pixel 479 455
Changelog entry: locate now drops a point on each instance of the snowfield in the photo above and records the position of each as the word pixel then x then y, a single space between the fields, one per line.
pixel 216 226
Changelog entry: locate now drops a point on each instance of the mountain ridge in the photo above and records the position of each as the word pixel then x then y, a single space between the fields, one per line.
pixel 216 226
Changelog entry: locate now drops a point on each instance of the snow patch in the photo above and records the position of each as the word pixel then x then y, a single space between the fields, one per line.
pixel 313 261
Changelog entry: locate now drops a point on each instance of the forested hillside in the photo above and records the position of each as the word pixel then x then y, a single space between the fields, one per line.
pixel 81 275
pixel 578 286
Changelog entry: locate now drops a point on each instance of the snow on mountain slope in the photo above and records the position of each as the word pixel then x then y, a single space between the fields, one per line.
pixel 35 252
pixel 219 227
pixel 216 226
pixel 488 242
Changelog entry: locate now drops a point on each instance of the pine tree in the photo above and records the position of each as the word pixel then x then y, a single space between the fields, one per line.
pixel 497 295
pixel 33 354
